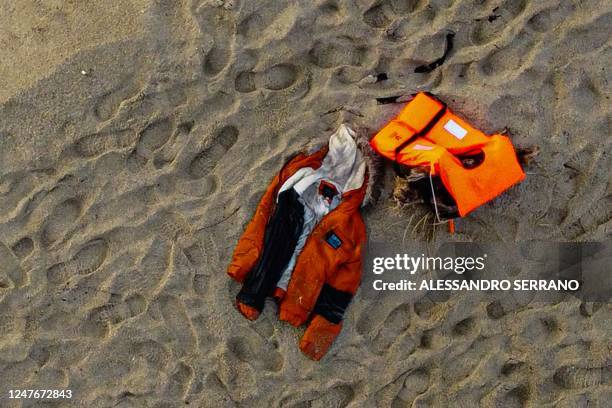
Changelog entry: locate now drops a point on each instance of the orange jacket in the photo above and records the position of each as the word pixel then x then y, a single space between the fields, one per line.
pixel 427 133
pixel 323 275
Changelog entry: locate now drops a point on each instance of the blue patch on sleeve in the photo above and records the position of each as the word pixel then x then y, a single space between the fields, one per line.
pixel 333 240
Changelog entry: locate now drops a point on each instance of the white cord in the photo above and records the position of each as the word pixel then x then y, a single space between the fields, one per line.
pixel 433 195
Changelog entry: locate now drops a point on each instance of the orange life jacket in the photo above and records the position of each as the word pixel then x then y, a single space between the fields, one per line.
pixel 427 133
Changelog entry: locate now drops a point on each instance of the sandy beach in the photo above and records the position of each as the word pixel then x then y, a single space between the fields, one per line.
pixel 137 137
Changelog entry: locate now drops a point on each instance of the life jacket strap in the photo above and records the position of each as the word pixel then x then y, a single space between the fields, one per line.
pixel 423 131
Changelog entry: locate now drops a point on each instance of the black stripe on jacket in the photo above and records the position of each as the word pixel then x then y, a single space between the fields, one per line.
pixel 332 303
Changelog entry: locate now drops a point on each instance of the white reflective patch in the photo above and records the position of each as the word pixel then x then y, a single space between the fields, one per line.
pixel 454 129
pixel 421 147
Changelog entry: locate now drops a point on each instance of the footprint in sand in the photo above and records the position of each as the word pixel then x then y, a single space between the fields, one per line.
pixel 205 162
pixel 516 397
pixel 383 13
pixel 251 26
pixel 273 22
pixel 588 37
pixel 86 261
pixel 60 221
pixel 464 327
pixel 151 139
pixel 179 380
pixel 166 154
pixel 200 283
pixel 257 352
pixel 168 225
pixel 338 51
pixel 415 383
pixel 428 305
pixel 8 325
pixel 39 352
pixel 429 340
pixel 550 18
pixel 220 24
pixel 204 254
pixel 150 272
pixel 154 136
pixel 395 324
pixel 469 361
pixel 484 31
pixel 74 297
pixel 512 367
pixel 175 316
pixel 132 306
pixel 17 190
pixel 23 247
pixel 513 8
pixel 572 377
pixel 338 396
pixel 275 78
pixel 135 162
pixel 117 311
pixel 264 327
pixel 108 104
pixel 488 28
pixel 155 354
pixel 370 318
pixel 217 393
pixel 495 310
pixel 34 202
pixel 330 14
pixel 216 59
pixel 510 57
pixel 101 143
pixel 11 273
pixel 94 327
pixel 596 219
pixel 544 329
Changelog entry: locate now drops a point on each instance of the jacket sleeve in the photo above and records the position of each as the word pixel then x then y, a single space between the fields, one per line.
pixel 334 298
pixel 250 244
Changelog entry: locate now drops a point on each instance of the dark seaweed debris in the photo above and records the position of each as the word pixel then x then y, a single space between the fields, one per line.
pixel 421 69
pixel 388 99
pixel 382 77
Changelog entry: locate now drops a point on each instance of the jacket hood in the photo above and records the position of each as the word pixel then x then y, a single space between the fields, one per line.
pixel 350 162
pixel 343 165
